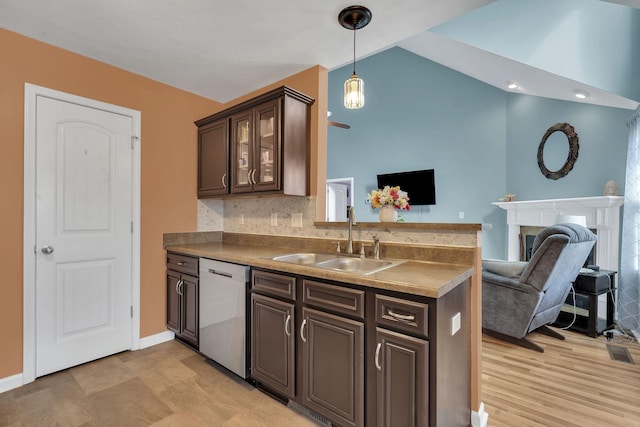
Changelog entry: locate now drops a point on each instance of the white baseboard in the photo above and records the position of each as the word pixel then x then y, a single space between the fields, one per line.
pixel 152 340
pixel 479 418
pixel 10 383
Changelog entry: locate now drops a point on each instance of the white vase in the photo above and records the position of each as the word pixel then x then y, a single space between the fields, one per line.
pixel 388 214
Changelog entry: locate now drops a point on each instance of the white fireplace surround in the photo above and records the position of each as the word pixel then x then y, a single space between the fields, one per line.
pixel 602 214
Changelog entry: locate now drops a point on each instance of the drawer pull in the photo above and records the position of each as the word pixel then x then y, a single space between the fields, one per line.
pixel 181 263
pixel 377 358
pixel 286 325
pixel 402 317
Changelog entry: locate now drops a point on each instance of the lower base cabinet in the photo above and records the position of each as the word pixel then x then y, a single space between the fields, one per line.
pixel 402 364
pixel 361 357
pixel 183 298
pixel 333 366
pixel 272 344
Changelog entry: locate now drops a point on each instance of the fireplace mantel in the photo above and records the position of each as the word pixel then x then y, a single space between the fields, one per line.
pixel 602 214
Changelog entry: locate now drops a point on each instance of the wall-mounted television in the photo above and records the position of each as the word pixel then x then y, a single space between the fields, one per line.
pixel 419 185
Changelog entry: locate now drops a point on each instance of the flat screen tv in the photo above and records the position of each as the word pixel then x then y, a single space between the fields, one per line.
pixel 419 185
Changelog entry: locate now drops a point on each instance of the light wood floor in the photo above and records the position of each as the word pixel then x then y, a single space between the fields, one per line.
pixel 574 383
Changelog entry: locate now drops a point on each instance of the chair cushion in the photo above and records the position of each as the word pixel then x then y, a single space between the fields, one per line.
pixel 504 268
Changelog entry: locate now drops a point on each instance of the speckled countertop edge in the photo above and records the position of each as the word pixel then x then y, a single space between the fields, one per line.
pixel 424 278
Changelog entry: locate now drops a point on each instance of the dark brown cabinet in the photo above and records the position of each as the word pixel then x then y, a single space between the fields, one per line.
pixel 264 142
pixel 255 149
pixel 402 364
pixel 213 159
pixel 401 361
pixel 333 366
pixel 358 356
pixel 273 331
pixel 182 297
pixel 273 343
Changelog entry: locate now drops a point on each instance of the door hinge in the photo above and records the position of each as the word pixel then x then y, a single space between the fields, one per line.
pixel 131 227
pixel 132 312
pixel 133 140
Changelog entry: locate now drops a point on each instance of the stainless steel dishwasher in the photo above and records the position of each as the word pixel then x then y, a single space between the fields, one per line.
pixel 223 314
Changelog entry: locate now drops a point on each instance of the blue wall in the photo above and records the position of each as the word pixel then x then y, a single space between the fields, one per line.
pixel 602 156
pixel 481 141
pixel 574 41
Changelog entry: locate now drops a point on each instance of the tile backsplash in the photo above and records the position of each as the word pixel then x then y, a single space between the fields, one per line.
pixel 281 216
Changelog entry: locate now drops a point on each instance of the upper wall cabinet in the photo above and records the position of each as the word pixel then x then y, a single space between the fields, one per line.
pixel 260 145
pixel 213 159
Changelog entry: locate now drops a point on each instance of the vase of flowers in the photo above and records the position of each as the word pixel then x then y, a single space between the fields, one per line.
pixel 389 200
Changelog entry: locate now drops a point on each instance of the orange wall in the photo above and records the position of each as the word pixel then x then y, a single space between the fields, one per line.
pixel 168 182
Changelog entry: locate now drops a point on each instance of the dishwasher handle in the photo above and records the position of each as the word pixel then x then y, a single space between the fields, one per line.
pixel 220 273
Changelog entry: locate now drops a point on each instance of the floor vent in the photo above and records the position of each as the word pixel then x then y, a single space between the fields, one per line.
pixel 320 419
pixel 619 353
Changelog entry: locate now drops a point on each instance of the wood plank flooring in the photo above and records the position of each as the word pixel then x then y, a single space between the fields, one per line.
pixel 574 383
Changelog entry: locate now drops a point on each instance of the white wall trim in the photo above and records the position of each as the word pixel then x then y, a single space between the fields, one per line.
pixel 31 93
pixel 9 383
pixel 156 339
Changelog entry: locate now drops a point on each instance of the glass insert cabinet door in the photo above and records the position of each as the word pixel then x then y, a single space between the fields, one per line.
pixel 267 147
pixel 242 140
pixel 255 161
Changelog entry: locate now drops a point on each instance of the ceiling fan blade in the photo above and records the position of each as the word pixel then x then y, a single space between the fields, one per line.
pixel 338 125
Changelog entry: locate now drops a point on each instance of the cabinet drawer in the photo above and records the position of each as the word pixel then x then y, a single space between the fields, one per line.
pixel 336 298
pixel 404 315
pixel 182 263
pixel 274 284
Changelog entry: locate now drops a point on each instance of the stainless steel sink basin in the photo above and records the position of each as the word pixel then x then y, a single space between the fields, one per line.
pixel 356 265
pixel 304 258
pixel 338 262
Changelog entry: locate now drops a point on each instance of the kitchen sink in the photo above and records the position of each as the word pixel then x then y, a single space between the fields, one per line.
pixel 304 258
pixel 338 262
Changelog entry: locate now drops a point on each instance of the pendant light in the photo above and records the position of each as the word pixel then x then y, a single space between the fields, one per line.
pixel 353 18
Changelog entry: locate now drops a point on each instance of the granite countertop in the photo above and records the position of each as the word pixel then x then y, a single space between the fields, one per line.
pixel 424 278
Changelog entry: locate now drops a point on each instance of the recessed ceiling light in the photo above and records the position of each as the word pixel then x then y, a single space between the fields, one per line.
pixel 512 85
pixel 581 94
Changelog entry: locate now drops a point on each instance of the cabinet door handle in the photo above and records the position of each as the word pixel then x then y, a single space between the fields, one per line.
pixel 402 317
pixel 180 283
pixel 287 324
pixel 178 287
pixel 224 180
pixel 304 322
pixel 377 358
pixel 252 176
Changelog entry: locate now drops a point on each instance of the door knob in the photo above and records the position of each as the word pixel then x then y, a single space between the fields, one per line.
pixel 47 250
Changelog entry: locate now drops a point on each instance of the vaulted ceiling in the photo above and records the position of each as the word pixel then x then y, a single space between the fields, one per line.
pixel 225 49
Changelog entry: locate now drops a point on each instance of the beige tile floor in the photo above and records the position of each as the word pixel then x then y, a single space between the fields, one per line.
pixel 165 385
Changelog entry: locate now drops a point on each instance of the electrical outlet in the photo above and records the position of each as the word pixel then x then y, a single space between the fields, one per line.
pixel 296 220
pixel 455 323
pixel 241 219
pixel 461 215
pixel 274 219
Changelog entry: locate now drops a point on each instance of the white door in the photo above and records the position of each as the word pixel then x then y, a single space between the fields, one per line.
pixel 83 208
pixel 337 201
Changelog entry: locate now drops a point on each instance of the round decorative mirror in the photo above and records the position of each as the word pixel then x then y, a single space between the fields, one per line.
pixel 553 148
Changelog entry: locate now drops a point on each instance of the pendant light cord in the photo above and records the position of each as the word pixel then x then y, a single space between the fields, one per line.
pixel 354 48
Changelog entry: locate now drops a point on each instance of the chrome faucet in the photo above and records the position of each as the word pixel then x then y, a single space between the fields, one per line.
pixel 352 222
